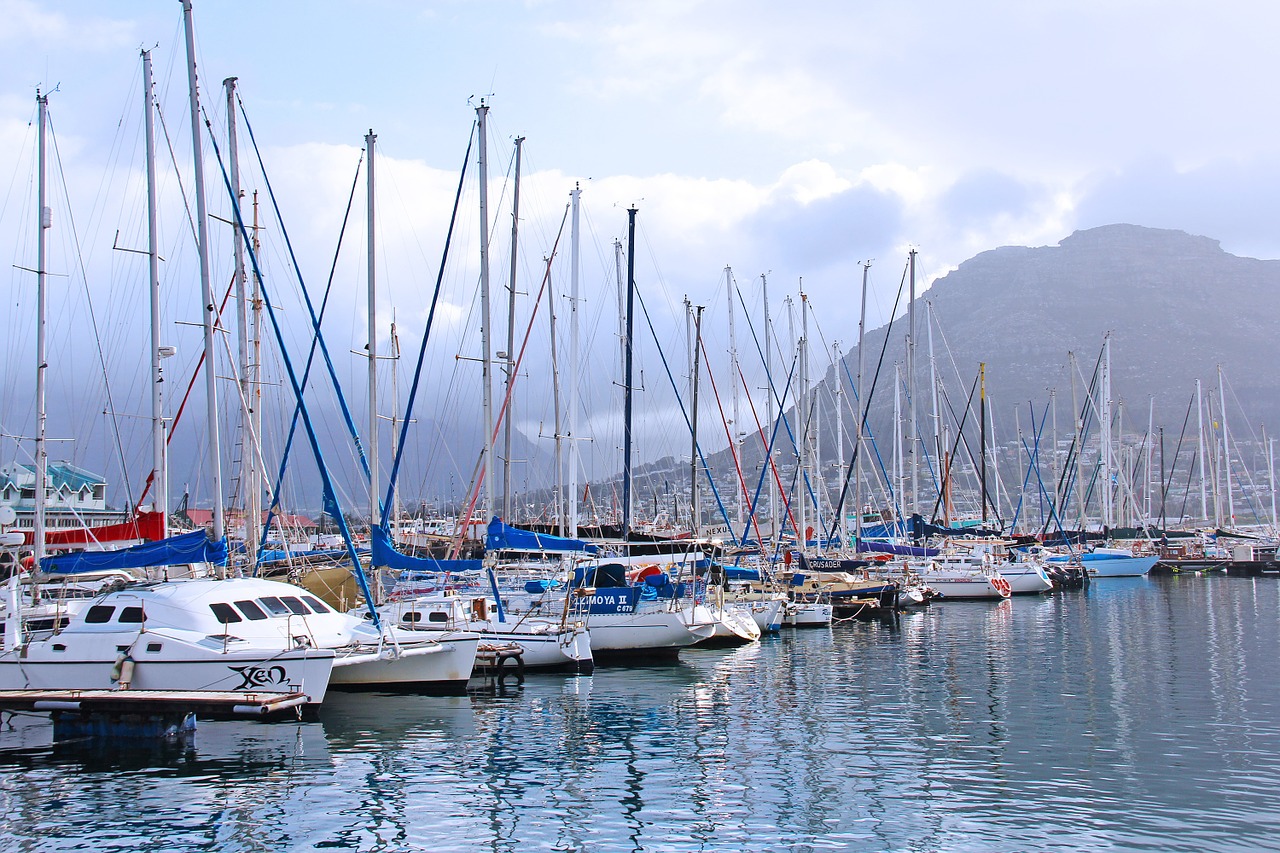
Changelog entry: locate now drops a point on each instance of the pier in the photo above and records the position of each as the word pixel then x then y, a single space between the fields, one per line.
pixel 145 714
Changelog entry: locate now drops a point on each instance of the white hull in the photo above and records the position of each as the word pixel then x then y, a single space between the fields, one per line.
pixel 440 664
pixel 1025 579
pixel 967 589
pixel 806 615
pixel 659 632
pixel 733 625
pixel 177 666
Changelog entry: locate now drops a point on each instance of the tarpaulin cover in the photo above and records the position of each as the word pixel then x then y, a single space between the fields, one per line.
pixel 503 537
pixel 194 547
pixel 386 556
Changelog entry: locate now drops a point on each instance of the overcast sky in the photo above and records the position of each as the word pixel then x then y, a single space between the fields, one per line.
pixel 790 139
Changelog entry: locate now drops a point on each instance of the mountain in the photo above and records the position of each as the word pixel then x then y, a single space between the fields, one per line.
pixel 1176 306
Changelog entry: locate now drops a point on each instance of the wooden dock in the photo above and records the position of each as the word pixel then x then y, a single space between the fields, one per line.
pixel 145 714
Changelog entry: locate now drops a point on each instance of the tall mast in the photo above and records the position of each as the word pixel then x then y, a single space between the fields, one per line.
pixel 912 437
pixel 248 439
pixel 555 399
pixel 695 504
pixel 626 377
pixel 860 393
pixel 1079 432
pixel 1105 427
pixel 768 378
pixel 1271 472
pixel 1151 422
pixel 370 141
pixel 572 397
pixel 510 360
pixel 255 375
pixel 1226 451
pixel 836 358
pixel 803 425
pixel 734 382
pixel 206 285
pixel 1053 405
pixel 1204 496
pixel 43 222
pixel 933 383
pixel 482 114
pixel 899 498
pixel 982 440
pixel 160 474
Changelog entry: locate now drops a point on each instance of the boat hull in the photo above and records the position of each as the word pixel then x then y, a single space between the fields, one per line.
pixel 442 666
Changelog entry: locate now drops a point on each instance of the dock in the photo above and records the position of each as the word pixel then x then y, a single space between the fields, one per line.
pixel 145 714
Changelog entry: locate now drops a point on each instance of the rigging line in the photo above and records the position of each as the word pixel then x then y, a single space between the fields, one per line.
pixel 968 407
pixel 465 521
pixel 329 496
pixel 769 465
pixel 737 463
pixel 177 171
pixel 426 334
pixel 675 388
pixel 274 503
pixel 866 410
pixel 93 316
pixel 195 375
pixel 1166 484
pixel 315 321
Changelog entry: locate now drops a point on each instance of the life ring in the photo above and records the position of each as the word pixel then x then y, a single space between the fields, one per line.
pixel 1002 586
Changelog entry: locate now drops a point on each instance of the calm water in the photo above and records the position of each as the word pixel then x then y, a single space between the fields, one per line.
pixel 1140 715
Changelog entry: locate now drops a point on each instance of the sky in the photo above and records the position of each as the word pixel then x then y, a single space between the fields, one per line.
pixel 792 140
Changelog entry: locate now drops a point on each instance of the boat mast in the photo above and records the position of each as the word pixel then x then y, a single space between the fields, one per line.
pixel 842 523
pixel 626 377
pixel 160 474
pixel 482 113
pixel 933 384
pixel 912 438
pixel 43 222
pixel 808 452
pixel 860 396
pixel 1204 496
pixel 558 484
pixel 248 438
pixel 982 435
pixel 734 381
pixel 206 285
pixel 694 502
pixel 768 379
pixel 509 362
pixel 1107 495
pixel 1226 450
pixel 370 141
pixel 572 397
pixel 899 499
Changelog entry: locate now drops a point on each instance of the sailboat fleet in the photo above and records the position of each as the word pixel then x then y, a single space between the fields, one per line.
pixel 192 612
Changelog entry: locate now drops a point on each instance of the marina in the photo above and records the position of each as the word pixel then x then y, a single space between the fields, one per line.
pixel 1137 714
pixel 621 550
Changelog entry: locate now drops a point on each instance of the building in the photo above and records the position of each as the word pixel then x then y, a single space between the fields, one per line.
pixel 74 497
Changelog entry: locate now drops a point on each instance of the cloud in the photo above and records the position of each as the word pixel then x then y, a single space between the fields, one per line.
pixel 1235 200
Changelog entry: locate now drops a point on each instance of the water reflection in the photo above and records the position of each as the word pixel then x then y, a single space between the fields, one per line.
pixel 1136 714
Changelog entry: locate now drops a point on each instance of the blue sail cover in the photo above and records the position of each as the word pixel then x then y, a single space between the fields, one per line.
pixel 385 555
pixel 902 550
pixel 194 547
pixel 503 537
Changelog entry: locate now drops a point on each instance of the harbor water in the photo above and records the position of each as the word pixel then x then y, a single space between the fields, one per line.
pixel 1140 714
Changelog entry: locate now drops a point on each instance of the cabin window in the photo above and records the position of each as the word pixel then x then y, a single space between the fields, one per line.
pixel 59 647
pixel 225 613
pixel 316 604
pixel 153 647
pixel 411 617
pixel 274 605
pixel 130 614
pixel 437 616
pixel 99 614
pixel 251 610
pixel 295 605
